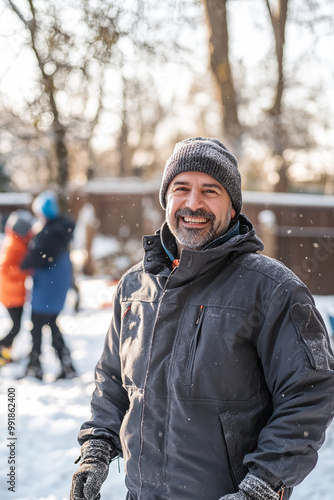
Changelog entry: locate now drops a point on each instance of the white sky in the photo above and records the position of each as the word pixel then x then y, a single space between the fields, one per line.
pixel 249 39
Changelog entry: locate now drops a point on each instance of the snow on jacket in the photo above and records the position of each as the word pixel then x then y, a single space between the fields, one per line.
pixel 48 255
pixel 12 278
pixel 220 366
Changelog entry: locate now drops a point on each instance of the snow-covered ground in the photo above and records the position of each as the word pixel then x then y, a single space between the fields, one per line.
pixel 49 413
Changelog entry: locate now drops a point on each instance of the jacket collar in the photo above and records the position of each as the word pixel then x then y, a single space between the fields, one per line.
pixel 160 251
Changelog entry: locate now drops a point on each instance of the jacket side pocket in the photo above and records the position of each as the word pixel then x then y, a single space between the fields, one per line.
pixel 237 469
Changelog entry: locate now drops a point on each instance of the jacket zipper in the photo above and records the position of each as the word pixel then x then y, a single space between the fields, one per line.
pixel 281 493
pixel 193 347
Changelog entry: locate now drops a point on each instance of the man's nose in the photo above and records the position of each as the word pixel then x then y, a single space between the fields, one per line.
pixel 194 200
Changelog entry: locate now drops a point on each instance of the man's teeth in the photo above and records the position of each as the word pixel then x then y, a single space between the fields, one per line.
pixel 195 220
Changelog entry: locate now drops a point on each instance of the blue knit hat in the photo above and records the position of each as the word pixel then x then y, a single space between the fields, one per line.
pixel 46 204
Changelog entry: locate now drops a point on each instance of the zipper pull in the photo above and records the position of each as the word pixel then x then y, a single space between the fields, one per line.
pixel 175 263
pixel 282 493
pixel 199 315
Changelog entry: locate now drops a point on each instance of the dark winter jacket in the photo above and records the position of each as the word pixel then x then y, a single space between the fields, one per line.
pixel 48 256
pixel 220 366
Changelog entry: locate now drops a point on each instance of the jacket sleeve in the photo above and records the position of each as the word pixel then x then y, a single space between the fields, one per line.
pixel 37 255
pixel 49 243
pixel 109 400
pixel 297 360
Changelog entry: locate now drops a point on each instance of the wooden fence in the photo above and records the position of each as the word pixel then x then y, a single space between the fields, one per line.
pixel 297 229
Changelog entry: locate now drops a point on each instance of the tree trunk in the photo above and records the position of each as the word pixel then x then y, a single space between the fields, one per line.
pixel 278 19
pixel 220 64
pixel 59 130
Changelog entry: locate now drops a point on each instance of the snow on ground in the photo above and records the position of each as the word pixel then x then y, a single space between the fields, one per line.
pixel 49 413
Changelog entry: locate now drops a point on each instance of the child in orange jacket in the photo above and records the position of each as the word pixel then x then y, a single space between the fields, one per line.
pixel 18 231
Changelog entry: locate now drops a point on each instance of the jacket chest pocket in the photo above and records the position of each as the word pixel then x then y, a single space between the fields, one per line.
pixel 193 348
pixel 219 363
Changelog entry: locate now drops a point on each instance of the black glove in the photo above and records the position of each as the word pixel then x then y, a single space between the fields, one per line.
pixel 253 488
pixel 96 455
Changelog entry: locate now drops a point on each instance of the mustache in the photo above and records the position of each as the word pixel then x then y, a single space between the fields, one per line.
pixel 187 212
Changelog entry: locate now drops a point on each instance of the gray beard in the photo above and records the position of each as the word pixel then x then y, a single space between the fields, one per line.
pixel 191 238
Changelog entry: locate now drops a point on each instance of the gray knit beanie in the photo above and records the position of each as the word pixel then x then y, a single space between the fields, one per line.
pixel 207 155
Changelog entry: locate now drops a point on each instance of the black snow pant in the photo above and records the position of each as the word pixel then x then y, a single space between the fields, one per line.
pixel 38 321
pixel 15 314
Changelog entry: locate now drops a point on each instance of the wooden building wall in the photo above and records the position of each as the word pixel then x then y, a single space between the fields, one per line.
pixel 303 236
pixel 297 229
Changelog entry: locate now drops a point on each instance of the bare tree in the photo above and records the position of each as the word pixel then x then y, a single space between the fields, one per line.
pixel 278 16
pixel 284 124
pixel 57 53
pixel 216 16
pixel 77 47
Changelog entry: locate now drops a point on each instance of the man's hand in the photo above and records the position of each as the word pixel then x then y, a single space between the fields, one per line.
pixel 96 456
pixel 253 488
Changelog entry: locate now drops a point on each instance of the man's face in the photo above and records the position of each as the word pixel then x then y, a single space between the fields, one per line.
pixel 198 210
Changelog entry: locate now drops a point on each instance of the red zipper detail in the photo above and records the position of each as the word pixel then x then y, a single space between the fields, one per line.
pixel 199 315
pixel 175 263
pixel 128 309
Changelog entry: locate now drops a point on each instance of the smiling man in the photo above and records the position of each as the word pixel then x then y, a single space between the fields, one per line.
pixel 199 210
pixel 216 380
pixel 199 192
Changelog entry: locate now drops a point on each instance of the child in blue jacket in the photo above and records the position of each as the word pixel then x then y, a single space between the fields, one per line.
pixel 48 256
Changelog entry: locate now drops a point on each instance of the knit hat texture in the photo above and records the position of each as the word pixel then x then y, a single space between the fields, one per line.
pixel 20 222
pixel 207 155
pixel 46 204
